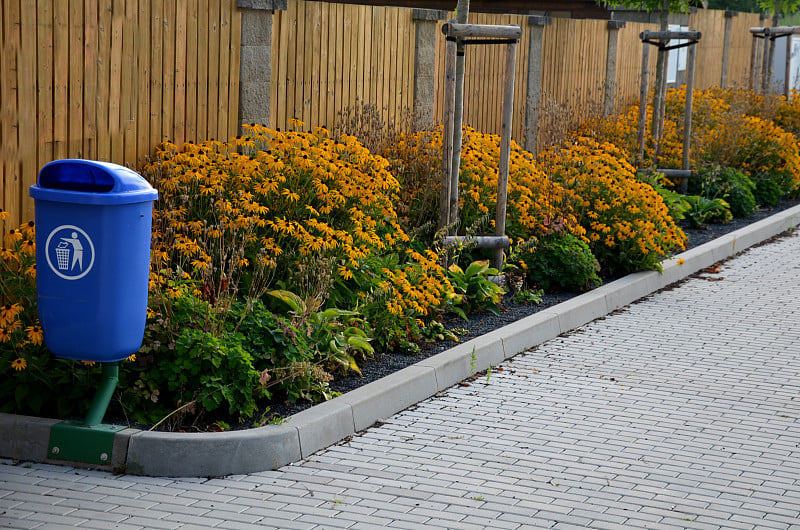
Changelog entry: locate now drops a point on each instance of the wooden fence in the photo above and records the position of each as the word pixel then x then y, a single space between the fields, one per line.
pixel 326 56
pixel 110 79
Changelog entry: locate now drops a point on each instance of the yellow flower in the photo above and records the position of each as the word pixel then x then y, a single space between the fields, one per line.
pixel 131 357
pixel 5 334
pixel 345 273
pixel 88 363
pixel 681 261
pixel 201 264
pixel 19 364
pixel 14 235
pixel 35 334
pixel 9 312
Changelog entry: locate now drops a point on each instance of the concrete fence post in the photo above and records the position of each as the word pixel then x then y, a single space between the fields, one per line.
pixel 255 64
pixel 610 88
pixel 533 93
pixel 425 64
pixel 726 47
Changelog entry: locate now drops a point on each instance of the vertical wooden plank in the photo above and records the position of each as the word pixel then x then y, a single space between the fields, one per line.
pixel 483 71
pixel 308 64
pixel 203 22
pixel 400 51
pixel 364 38
pixel 5 115
pixel 406 48
pixel 277 72
pixel 130 83
pixel 168 70
pixel 60 79
pixel 339 63
pixel 77 80
pixel 323 64
pixel 316 60
pixel 44 92
pixel 103 80
pixel 474 59
pixel 156 67
pixel 387 59
pixel 143 50
pixel 11 123
pixel 368 67
pixel 26 101
pixel 410 64
pixel 356 55
pixel 492 124
pixel 179 117
pixel 116 137
pixel 343 97
pixel 213 68
pixel 379 38
pixel 333 50
pixel 291 65
pixel 224 65
pixel 299 63
pixel 233 71
pixel 287 26
pixel 288 58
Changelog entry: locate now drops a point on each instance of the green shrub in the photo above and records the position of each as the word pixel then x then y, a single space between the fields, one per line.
pixel 474 289
pixel 562 261
pixel 704 210
pixel 728 184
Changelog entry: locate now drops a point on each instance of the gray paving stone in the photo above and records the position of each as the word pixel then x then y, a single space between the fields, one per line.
pixel 103 525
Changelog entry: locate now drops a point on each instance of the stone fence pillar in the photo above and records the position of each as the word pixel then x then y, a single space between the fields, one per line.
pixel 533 93
pixel 255 65
pixel 425 64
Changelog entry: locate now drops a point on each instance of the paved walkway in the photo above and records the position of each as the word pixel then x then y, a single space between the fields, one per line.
pixel 681 411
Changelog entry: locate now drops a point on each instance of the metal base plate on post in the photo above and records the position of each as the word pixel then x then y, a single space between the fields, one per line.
pixel 74 441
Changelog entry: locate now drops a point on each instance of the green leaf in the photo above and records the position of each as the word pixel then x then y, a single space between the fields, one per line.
pixel 294 302
pixel 360 344
pixel 354 366
pixel 476 267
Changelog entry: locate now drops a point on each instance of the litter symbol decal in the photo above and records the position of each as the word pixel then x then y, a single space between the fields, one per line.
pixel 70 252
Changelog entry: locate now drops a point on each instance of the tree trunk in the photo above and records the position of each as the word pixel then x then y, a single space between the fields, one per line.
pixel 661 86
pixel 768 84
pixel 462 13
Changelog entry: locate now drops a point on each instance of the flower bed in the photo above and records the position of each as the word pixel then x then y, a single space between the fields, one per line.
pixel 283 261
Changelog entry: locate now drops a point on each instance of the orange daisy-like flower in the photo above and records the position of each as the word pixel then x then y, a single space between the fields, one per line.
pixel 19 364
pixel 35 334
pixel 14 235
pixel 9 312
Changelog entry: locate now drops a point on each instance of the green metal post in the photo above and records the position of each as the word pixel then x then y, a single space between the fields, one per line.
pixel 103 395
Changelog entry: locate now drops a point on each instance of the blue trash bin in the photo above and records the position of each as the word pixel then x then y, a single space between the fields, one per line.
pixel 93 222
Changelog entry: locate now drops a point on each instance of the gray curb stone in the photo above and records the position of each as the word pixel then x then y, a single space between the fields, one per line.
pixel 269 447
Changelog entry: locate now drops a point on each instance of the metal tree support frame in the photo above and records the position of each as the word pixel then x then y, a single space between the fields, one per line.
pixel 770 34
pixel 661 40
pixel 462 35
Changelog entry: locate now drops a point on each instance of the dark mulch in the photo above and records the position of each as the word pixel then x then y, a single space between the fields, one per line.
pixel 479 324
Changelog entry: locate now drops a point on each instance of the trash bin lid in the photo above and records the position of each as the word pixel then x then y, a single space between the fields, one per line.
pixel 91 182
